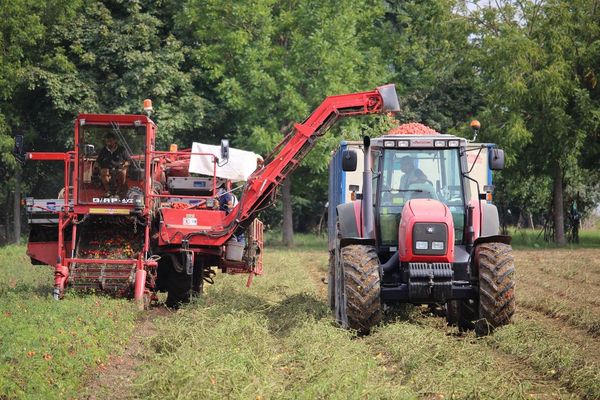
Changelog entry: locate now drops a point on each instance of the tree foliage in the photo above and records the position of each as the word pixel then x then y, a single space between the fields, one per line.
pixel 249 69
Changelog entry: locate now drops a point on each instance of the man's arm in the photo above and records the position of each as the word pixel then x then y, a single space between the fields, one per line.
pixel 125 157
pixel 102 157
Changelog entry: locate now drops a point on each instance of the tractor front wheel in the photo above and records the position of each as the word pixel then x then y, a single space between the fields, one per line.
pixel 496 286
pixel 358 288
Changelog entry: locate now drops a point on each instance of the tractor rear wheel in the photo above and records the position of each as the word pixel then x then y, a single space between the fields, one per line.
pixel 496 286
pixel 358 289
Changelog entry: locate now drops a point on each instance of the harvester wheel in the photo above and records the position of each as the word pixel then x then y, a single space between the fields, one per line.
pixel 179 289
pixel 179 284
pixel 358 295
pixel 496 286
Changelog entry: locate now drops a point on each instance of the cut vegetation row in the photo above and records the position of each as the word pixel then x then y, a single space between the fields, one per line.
pixel 277 340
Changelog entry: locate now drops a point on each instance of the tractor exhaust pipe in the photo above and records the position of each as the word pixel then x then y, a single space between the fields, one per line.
pixel 368 227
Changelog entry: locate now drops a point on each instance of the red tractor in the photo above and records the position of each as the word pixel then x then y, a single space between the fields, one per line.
pixel 422 230
pixel 133 221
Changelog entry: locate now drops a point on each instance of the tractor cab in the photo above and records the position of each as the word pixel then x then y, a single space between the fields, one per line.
pixel 406 173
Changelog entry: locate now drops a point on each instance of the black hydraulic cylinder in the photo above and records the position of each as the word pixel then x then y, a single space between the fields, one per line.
pixel 367 194
pixel 470 230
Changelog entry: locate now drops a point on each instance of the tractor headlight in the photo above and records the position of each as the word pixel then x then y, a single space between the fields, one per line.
pixel 421 245
pixel 437 245
pixel 430 238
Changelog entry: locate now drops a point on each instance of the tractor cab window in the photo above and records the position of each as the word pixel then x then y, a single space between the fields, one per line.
pixel 111 163
pixel 418 174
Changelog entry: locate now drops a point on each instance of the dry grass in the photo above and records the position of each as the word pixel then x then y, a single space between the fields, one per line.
pixel 277 339
pixel 562 284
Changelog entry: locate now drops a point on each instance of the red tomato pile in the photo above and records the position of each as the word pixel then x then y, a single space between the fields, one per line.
pixel 412 128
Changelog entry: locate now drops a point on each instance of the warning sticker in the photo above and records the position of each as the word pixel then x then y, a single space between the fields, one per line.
pixel 190 219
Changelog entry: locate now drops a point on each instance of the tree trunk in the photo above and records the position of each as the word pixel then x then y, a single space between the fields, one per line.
pixel 557 200
pixel 17 207
pixel 287 227
pixel 531 224
pixel 7 219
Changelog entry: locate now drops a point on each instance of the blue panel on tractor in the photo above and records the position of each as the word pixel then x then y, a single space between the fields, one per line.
pixel 337 192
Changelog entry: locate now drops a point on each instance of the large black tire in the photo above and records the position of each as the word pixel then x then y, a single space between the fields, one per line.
pixel 496 286
pixel 178 282
pixel 179 289
pixel 358 301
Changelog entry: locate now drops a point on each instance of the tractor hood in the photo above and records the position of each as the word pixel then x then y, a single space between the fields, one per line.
pixel 426 233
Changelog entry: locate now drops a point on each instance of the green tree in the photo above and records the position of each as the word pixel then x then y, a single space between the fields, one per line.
pixel 535 61
pixel 271 63
pixel 427 44
pixel 61 58
pixel 23 36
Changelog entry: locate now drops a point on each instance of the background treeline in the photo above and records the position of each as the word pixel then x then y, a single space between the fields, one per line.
pixel 246 70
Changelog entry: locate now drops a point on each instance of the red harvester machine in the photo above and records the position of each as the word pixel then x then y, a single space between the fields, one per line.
pixel 143 224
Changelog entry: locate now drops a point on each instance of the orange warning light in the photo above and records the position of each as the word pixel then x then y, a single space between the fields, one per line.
pixel 148 105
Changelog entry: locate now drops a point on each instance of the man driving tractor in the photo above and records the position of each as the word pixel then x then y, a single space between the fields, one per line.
pixel 113 161
pixel 412 174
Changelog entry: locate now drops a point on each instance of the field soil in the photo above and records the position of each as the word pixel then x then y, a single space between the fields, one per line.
pixel 276 339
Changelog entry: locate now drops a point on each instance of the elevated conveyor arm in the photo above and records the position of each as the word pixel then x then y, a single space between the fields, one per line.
pixel 260 188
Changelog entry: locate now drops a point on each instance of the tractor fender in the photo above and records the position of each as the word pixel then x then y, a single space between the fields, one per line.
pixel 493 239
pixel 490 222
pixel 350 224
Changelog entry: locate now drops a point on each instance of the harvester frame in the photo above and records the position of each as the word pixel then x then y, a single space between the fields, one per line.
pixel 175 246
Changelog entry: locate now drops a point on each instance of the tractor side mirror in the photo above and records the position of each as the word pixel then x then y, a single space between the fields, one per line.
pixel 496 159
pixel 349 160
pixel 224 151
pixel 89 150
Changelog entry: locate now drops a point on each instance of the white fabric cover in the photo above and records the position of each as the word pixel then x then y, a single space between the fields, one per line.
pixel 240 166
